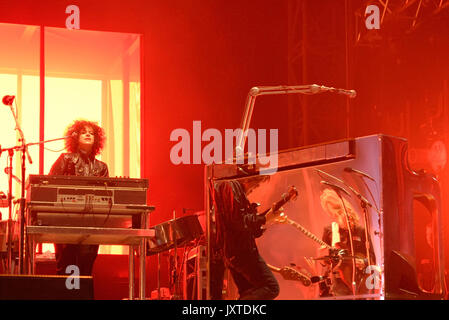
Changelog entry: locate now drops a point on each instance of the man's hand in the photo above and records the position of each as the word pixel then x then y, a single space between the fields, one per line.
pixel 272 216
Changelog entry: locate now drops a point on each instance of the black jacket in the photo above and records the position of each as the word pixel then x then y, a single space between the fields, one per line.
pixel 236 221
pixel 78 164
pixel 358 240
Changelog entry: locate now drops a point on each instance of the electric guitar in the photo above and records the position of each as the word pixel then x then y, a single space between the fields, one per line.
pixel 284 219
pixel 291 194
pixel 289 273
pixel 339 259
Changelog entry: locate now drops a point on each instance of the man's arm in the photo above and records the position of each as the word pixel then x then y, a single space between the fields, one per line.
pixel 233 205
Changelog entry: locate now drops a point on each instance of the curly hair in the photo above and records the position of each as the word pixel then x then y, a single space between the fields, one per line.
pixel 74 130
pixel 330 199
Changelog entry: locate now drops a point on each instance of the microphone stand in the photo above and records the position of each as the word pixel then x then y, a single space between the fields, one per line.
pixel 271 90
pixel 24 149
pixel 350 240
pixel 365 204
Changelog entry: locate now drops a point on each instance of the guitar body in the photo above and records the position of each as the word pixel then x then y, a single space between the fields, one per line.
pixel 290 195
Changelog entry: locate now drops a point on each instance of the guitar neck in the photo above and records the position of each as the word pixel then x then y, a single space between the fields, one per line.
pixel 285 198
pixel 273 268
pixel 308 233
pixel 276 207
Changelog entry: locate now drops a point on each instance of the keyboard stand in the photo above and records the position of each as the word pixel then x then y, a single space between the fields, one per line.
pixel 136 239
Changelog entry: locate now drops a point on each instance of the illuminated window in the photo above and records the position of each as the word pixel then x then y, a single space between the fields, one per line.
pixel 88 75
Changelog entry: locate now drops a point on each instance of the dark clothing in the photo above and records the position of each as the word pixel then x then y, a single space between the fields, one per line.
pixel 83 256
pixel 253 278
pixel 237 226
pixel 343 272
pixel 78 164
pixel 358 241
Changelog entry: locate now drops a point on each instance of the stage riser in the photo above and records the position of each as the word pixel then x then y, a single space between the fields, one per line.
pixel 21 287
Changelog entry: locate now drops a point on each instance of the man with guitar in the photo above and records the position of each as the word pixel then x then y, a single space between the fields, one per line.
pixel 237 226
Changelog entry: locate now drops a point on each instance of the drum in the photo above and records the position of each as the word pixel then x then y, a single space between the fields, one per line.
pixel 180 231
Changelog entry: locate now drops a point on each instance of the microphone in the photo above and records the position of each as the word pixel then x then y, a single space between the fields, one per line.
pixel 348 169
pixel 350 93
pixel 328 175
pixel 7 100
pixel 335 186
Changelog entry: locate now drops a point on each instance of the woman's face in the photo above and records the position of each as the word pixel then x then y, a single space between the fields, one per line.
pixel 86 138
pixel 337 211
pixel 333 205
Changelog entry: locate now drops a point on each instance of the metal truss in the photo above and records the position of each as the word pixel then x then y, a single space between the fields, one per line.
pixel 407 15
pixel 306 55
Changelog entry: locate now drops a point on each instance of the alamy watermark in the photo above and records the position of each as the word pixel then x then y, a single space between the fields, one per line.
pixel 373 281
pixel 372 21
pixel 72 281
pixel 73 20
pixel 372 17
pixel 220 150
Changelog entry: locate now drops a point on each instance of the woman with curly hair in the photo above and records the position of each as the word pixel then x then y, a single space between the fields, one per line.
pixel 85 141
pixel 345 232
pixel 342 212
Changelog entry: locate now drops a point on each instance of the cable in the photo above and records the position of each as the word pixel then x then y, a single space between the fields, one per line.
pixel 46 148
pixel 109 212
pixel 110 202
